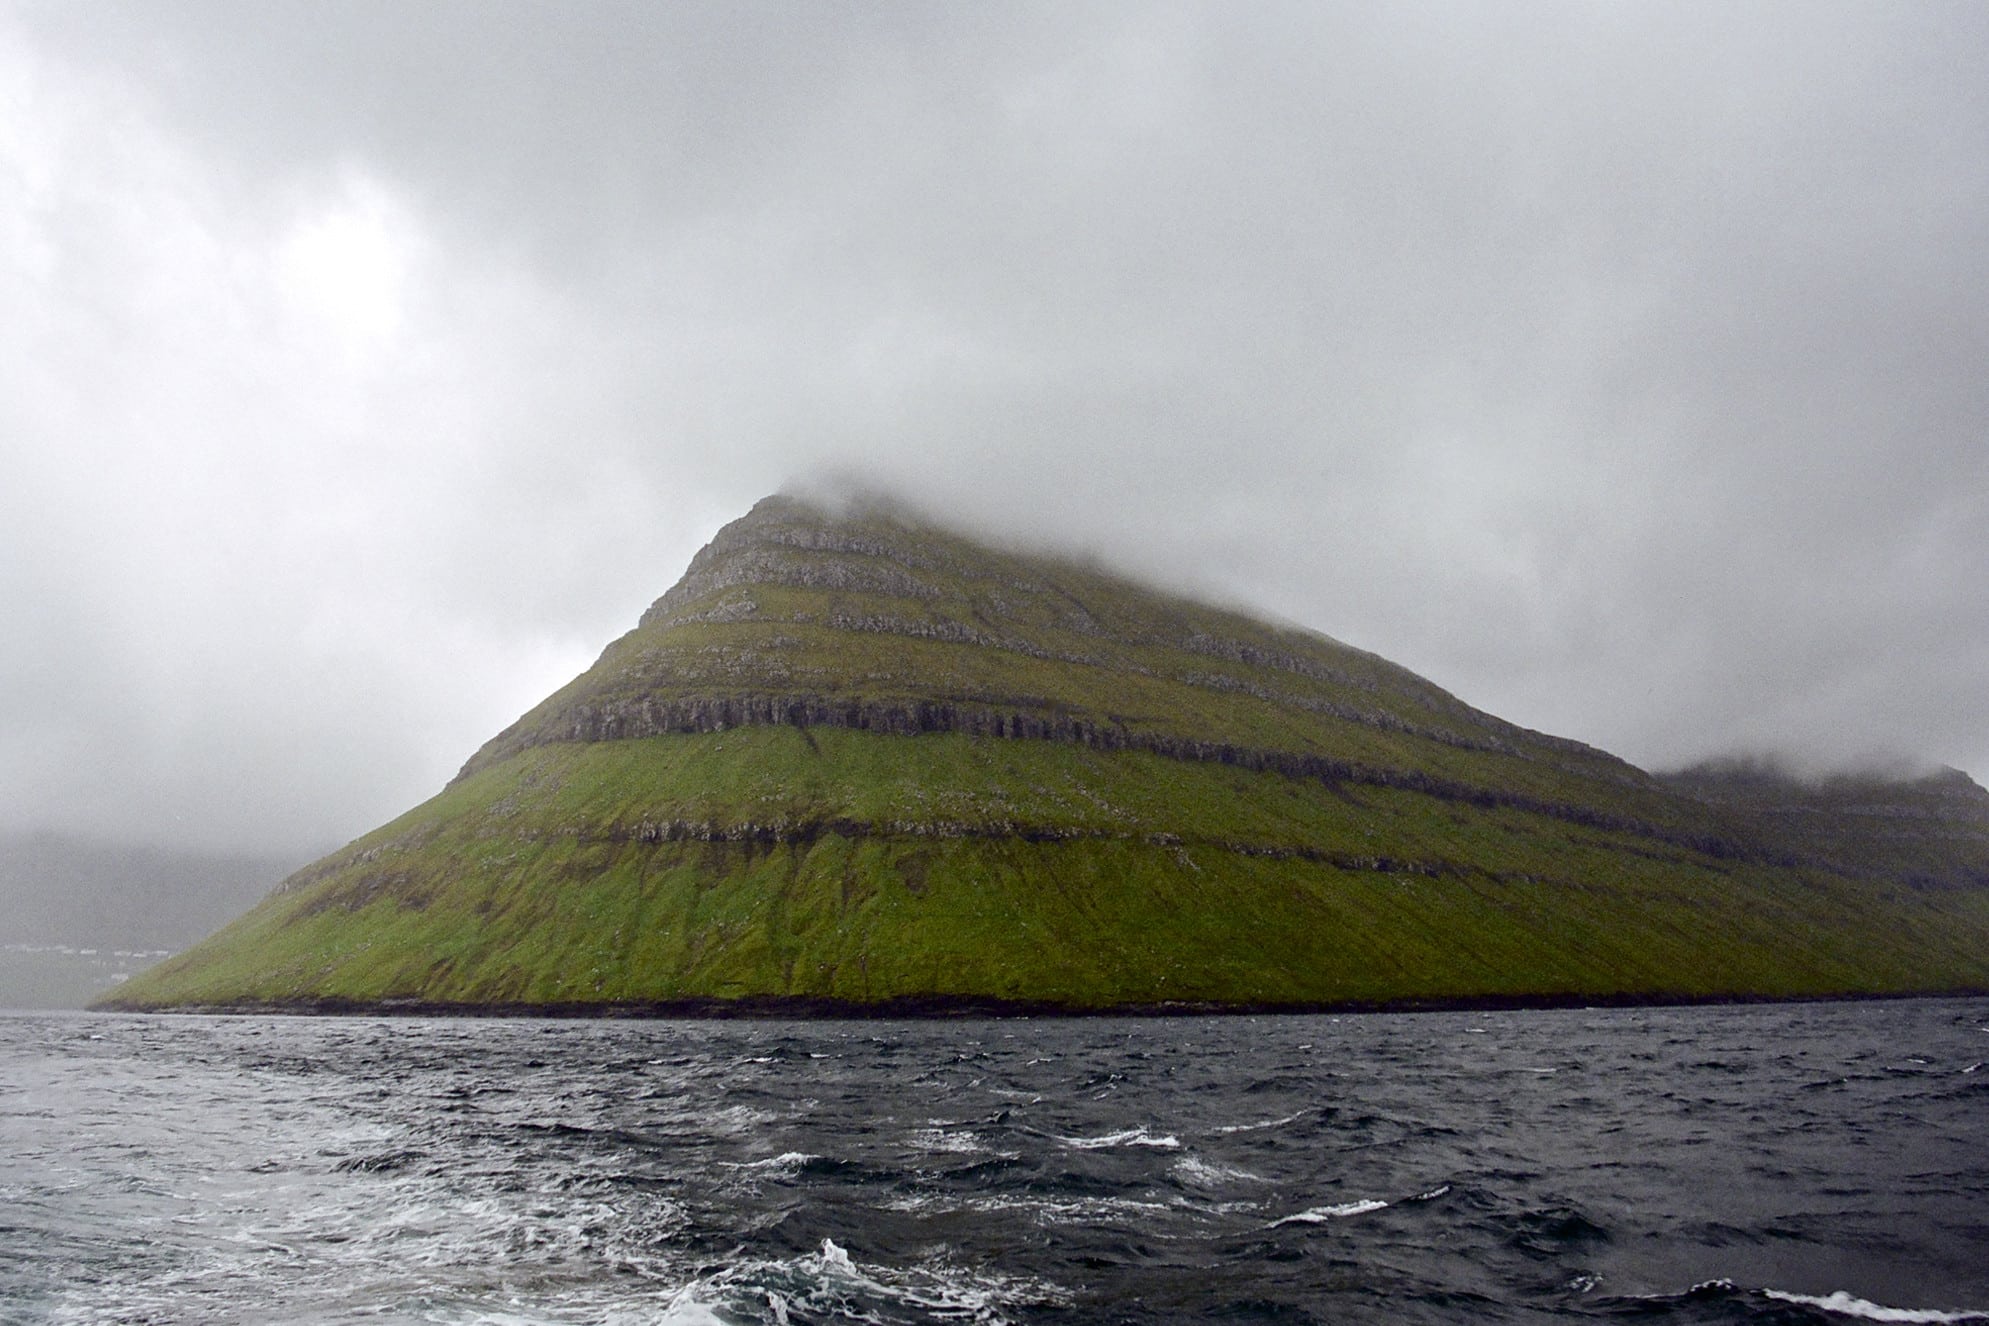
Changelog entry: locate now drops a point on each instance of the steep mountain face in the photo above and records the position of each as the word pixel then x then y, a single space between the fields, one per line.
pixel 855 759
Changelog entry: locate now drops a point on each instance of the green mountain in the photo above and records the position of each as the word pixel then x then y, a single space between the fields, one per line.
pixel 853 761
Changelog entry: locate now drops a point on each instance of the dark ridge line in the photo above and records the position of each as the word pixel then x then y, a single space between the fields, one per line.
pixel 652 718
pixel 819 1008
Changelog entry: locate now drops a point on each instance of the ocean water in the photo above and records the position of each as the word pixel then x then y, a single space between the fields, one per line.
pixel 1788 1164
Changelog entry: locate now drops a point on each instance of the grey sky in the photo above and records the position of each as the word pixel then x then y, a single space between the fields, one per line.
pixel 367 367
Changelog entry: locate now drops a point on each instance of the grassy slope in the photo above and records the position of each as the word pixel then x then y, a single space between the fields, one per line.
pixel 879 865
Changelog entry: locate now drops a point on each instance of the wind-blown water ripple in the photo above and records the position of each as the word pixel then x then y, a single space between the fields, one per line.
pixel 1796 1163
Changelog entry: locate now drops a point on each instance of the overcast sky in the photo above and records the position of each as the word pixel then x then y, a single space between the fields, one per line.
pixel 366 368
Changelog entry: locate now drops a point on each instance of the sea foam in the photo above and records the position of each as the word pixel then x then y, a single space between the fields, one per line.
pixel 1851 1306
pixel 1319 1215
pixel 1124 1137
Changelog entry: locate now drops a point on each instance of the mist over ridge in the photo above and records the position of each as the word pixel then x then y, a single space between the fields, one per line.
pixel 848 492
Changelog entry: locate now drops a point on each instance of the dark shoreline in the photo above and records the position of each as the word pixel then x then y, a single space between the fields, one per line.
pixel 768 1008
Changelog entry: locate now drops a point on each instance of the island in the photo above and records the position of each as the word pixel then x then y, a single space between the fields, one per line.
pixel 855 762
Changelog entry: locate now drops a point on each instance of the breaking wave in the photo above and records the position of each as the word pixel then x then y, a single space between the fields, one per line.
pixel 1850 1305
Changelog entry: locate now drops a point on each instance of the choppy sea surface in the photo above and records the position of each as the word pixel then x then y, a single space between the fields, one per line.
pixel 1819 1163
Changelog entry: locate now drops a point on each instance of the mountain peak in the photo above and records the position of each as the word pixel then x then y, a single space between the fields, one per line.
pixel 868 615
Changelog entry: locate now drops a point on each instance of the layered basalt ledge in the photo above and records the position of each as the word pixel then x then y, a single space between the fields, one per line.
pixel 651 718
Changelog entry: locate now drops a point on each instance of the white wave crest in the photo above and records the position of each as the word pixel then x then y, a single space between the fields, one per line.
pixel 1851 1306
pixel 1043 1210
pixel 1209 1175
pixel 940 1141
pixel 831 1285
pixel 785 1163
pixel 836 1258
pixel 1262 1123
pixel 685 1310
pixel 1319 1215
pixel 1125 1137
